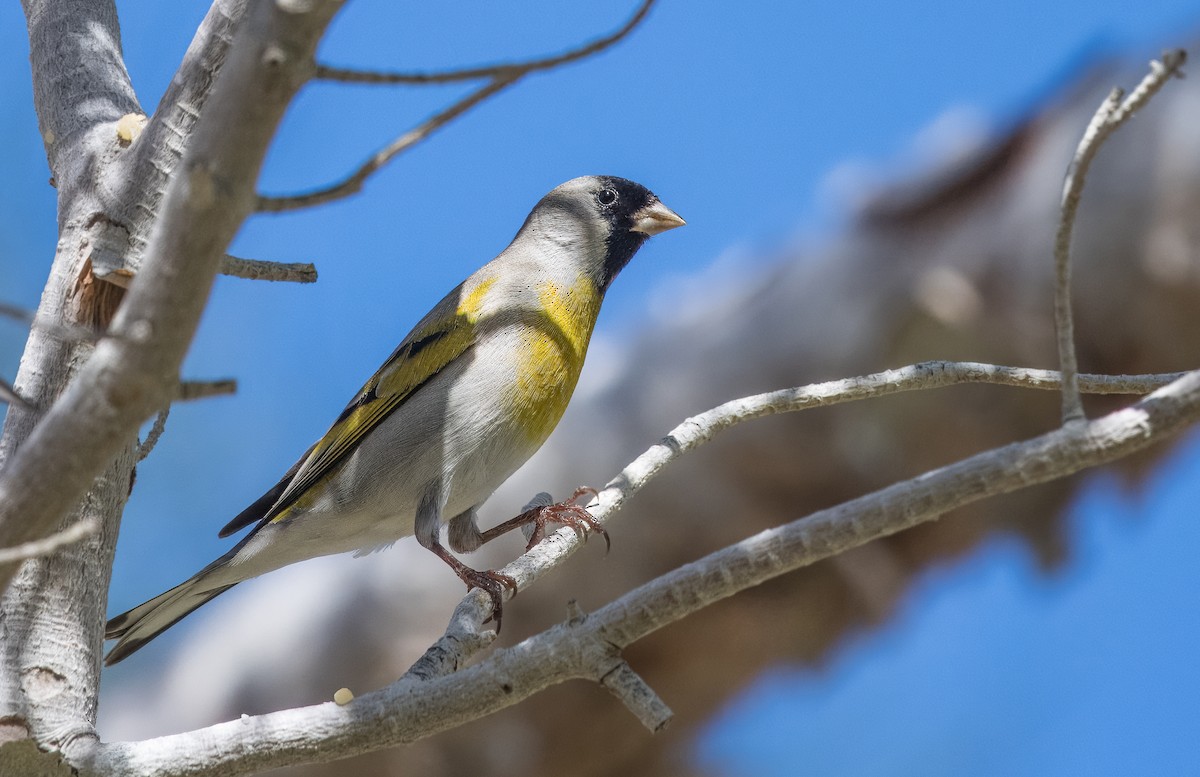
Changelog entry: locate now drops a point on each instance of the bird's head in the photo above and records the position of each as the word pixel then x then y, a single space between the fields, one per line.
pixel 602 219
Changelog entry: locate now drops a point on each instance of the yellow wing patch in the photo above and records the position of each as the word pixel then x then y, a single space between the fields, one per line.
pixel 422 355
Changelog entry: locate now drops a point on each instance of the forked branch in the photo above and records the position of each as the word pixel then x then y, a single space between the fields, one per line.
pixel 465 634
pixel 1111 114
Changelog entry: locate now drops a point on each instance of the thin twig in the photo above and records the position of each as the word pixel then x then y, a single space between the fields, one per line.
pixel 1111 114
pixel 57 329
pixel 1170 67
pixel 9 394
pixel 16 313
pixel 190 390
pixel 259 270
pixel 354 182
pixel 160 424
pixel 347 75
pixel 499 78
pixel 47 545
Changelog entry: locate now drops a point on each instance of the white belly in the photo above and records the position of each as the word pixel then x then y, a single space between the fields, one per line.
pixel 456 431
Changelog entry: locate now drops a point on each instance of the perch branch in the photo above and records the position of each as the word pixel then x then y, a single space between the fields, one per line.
pixel 410 710
pixel 466 625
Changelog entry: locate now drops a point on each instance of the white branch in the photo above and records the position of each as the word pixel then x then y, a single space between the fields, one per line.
pixel 409 710
pixel 52 618
pixel 134 372
pixel 143 173
pixel 463 634
pixel 1111 114
pixel 637 695
pixel 66 332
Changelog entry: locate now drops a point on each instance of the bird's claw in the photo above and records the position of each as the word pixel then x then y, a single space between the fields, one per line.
pixel 565 513
pixel 493 584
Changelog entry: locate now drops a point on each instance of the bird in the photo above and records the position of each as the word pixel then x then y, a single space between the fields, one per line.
pixel 466 398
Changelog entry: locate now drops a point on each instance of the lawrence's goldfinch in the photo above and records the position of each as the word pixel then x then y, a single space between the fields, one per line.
pixel 472 391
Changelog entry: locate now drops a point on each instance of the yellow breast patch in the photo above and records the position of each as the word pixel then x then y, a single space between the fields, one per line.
pixel 556 342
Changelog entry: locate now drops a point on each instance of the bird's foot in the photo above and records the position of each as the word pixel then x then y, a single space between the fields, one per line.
pixel 489 581
pixel 564 513
pixel 493 584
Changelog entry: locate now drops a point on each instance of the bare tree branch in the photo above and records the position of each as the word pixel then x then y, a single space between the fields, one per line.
pixel 585 647
pixel 141 177
pixel 499 78
pixel 1111 114
pixel 195 210
pixel 133 373
pixel 258 270
pixel 47 545
pixel 465 633
pixel 525 67
pixel 81 90
pixel 353 183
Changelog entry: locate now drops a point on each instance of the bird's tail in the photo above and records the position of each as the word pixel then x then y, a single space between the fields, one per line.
pixel 135 628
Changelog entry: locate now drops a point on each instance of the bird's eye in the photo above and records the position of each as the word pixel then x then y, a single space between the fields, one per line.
pixel 606 196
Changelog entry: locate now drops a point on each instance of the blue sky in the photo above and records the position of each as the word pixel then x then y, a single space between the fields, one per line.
pixel 736 114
